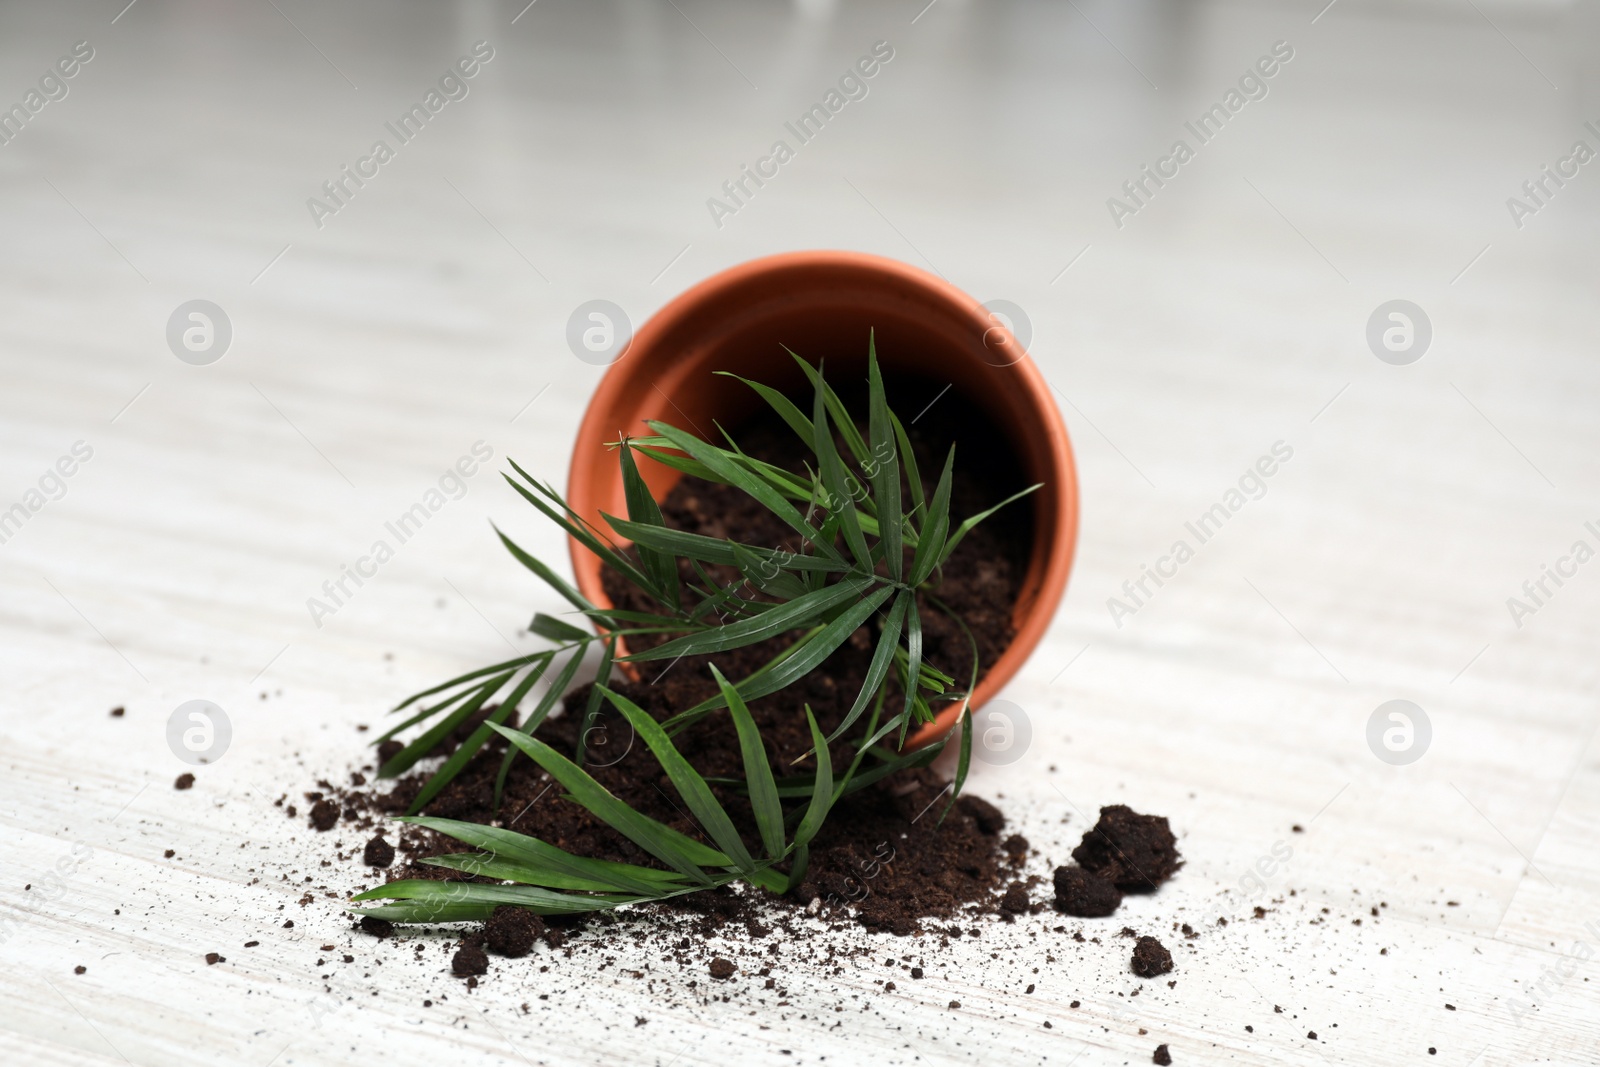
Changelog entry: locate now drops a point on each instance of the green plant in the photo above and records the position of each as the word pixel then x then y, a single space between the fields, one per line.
pixel 865 547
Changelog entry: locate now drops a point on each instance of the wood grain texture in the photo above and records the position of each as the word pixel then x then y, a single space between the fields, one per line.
pixel 429 313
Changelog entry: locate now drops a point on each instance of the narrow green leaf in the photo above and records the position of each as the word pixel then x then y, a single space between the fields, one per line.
pixel 591 707
pixel 817 649
pixel 801 786
pixel 909 458
pixel 914 662
pixel 882 659
pixel 469 748
pixel 966 527
pixel 681 853
pixel 424 894
pixel 798 660
pixel 717 550
pixel 508 665
pixel 686 780
pixel 767 575
pixel 660 453
pixel 729 470
pixel 610 618
pixel 548 576
pixel 885 468
pixel 422 746
pixel 485 865
pixel 779 403
pixel 556 690
pixel 930 542
pixel 554 629
pixel 428 713
pixel 779 620
pixel 643 510
pixel 763 790
pixel 840 501
pixel 797 870
pixel 532 852
pixel 581 532
pixel 964 763
pixel 821 792
pixel 847 426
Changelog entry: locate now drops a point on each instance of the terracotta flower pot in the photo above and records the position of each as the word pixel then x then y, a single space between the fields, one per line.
pixel 822 304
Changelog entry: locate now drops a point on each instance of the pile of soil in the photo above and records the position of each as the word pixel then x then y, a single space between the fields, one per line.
pixel 890 854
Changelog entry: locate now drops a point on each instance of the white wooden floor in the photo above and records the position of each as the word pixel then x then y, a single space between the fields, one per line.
pixel 1227 314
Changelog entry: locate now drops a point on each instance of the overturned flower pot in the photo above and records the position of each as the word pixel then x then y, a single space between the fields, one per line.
pixel 932 341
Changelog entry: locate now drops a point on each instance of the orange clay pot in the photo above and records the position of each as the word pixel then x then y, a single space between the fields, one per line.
pixel 822 305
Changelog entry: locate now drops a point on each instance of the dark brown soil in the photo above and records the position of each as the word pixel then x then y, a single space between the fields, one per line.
pixel 375 926
pixel 512 931
pixel 378 853
pixel 184 781
pixel 1137 852
pixel 1162 1057
pixel 324 815
pixel 1150 958
pixel 470 960
pixel 1086 894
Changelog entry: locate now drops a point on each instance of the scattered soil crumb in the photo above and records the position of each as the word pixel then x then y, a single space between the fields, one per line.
pixel 370 924
pixel 470 960
pixel 512 931
pixel 1150 958
pixel 1085 894
pixel 378 853
pixel 324 815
